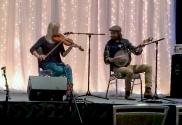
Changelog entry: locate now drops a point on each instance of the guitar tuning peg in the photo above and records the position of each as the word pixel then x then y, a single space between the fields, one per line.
pixel 150 38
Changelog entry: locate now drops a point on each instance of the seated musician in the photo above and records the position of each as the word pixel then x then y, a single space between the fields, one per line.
pixel 116 43
pixel 53 62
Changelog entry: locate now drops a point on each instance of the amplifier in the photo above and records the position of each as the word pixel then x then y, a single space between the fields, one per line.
pixel 46 88
pixel 176 79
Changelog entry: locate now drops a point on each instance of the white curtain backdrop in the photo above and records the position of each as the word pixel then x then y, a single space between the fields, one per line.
pixel 22 22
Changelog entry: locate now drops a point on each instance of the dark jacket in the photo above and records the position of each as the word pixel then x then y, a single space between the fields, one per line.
pixel 46 47
pixel 112 47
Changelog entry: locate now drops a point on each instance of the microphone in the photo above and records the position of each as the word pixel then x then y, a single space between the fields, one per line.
pixel 3 68
pixel 67 33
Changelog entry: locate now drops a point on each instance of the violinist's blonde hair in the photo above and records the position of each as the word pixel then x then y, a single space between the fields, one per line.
pixel 50 29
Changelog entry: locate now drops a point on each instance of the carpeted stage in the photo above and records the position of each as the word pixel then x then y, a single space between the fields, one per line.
pixel 92 110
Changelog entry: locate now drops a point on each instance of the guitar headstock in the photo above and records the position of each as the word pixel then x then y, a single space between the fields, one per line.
pixel 148 40
pixel 80 48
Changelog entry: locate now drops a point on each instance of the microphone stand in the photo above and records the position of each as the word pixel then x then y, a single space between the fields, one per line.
pixel 6 84
pixel 72 98
pixel 156 97
pixel 7 91
pixel 88 93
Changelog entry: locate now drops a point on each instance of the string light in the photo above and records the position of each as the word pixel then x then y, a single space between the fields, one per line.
pixel 100 55
pixel 88 24
pixel 145 27
pixel 157 35
pixel 44 21
pixel 170 38
pixel 30 29
pixel 17 79
pixel 31 38
pixel 132 24
pixel 3 29
pixel 3 38
pixel 113 12
pixel 62 15
pixel 75 54
pixel 121 15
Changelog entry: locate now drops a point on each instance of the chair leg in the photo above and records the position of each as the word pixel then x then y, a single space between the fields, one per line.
pixel 108 88
pixel 132 83
pixel 116 87
pixel 141 84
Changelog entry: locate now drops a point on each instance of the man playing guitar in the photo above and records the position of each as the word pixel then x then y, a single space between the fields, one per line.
pixel 116 44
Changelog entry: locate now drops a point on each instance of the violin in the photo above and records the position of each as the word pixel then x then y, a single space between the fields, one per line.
pixel 59 38
pixel 66 41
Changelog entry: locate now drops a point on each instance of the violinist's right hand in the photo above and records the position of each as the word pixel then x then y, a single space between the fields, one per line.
pixel 41 57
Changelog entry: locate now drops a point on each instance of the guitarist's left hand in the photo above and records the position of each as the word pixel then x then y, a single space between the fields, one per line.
pixel 144 43
pixel 139 50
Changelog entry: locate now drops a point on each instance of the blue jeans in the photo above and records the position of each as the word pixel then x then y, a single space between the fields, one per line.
pixel 60 69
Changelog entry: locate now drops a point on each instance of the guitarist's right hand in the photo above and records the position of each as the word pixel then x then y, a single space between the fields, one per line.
pixel 118 58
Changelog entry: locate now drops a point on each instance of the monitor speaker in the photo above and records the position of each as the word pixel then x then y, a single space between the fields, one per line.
pixel 46 88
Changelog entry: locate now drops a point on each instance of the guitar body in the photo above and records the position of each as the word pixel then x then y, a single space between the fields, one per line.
pixel 122 62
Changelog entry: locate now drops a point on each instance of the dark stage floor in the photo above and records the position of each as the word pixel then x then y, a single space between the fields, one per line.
pixel 91 108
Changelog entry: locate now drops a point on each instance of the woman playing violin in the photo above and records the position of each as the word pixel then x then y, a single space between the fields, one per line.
pixel 52 61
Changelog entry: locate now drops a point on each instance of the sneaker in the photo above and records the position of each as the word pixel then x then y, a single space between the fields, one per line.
pixel 127 96
pixel 69 92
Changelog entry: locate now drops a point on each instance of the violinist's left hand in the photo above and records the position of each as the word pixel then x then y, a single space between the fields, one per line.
pixel 74 45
